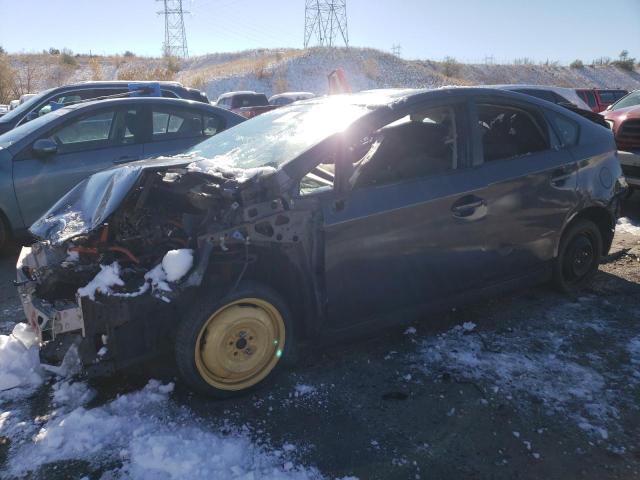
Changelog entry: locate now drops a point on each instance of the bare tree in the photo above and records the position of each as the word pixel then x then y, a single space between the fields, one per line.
pixel 7 77
pixel 28 76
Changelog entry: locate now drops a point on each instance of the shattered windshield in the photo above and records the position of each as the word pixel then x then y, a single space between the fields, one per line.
pixel 276 137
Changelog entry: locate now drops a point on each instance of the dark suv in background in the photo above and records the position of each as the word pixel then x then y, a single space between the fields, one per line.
pixel 77 92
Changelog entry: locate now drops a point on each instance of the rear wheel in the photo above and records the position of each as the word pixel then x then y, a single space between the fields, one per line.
pixel 232 345
pixel 578 256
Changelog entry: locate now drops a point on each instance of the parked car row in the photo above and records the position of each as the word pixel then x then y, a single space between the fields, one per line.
pixel 372 208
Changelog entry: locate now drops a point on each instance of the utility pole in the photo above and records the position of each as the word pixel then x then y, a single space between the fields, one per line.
pixel 175 36
pixel 326 20
pixel 396 50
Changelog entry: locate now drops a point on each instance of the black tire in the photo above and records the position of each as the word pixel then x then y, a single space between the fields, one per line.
pixel 578 256
pixel 192 328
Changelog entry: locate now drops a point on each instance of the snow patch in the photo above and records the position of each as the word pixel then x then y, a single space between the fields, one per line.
pixel 19 361
pixel 626 225
pixel 107 277
pixel 147 437
pixel 176 263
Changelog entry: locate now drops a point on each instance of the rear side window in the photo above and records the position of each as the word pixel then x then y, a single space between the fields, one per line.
pixel 509 131
pixel 173 123
pixel 542 94
pixel 567 129
pixel 610 96
pixel 240 101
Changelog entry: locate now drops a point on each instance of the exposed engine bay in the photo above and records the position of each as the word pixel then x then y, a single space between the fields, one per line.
pixel 214 216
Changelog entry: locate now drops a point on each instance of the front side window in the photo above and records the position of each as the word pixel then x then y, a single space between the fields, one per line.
pixel 86 133
pixel 590 99
pixel 509 131
pixel 422 144
pixel 66 98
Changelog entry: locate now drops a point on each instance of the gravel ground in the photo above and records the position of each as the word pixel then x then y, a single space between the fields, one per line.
pixel 530 385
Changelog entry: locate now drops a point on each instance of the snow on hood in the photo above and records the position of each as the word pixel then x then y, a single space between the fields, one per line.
pixel 223 165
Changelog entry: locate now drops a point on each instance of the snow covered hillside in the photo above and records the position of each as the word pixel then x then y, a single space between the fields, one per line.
pixel 275 71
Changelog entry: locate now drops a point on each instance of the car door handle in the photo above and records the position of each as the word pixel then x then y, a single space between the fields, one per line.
pixel 126 158
pixel 467 206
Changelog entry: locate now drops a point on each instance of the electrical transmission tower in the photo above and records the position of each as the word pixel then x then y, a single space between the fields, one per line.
pixel 326 20
pixel 175 37
pixel 396 50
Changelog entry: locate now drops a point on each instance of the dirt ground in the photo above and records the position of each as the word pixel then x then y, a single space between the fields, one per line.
pixel 531 385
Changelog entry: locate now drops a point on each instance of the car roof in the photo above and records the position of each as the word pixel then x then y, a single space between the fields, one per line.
pixel 291 94
pixel 240 92
pixel 143 100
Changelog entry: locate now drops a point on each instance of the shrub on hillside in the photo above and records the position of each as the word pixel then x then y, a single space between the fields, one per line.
pixel 261 69
pixel 145 73
pixel 576 64
pixel 280 85
pixel 523 61
pixel 67 58
pixel 54 51
pixel 451 67
pixel 129 54
pixel 196 81
pixel 173 64
pixel 2 50
pixel 96 69
pixel 601 62
pixel 624 62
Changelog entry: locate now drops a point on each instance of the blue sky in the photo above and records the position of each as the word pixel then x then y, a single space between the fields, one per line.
pixel 469 30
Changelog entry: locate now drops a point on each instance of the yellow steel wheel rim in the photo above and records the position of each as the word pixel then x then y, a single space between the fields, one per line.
pixel 240 344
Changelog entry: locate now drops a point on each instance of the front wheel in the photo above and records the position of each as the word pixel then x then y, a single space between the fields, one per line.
pixel 578 257
pixel 231 345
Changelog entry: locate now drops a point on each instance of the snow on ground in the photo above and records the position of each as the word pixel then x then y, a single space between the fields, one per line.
pixel 20 371
pixel 627 225
pixel 139 435
pixel 565 367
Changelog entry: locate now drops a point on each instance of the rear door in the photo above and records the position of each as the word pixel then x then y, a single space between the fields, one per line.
pixel 175 129
pixel 410 232
pixel 86 144
pixel 531 180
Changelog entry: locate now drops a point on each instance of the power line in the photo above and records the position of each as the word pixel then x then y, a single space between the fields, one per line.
pixel 175 36
pixel 326 20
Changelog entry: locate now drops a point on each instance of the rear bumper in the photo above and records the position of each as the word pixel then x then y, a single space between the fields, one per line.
pixel 630 162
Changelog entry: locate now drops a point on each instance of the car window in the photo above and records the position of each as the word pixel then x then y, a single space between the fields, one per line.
pixel 66 98
pixel 212 124
pixel 175 123
pixel 630 100
pixel 169 94
pixel 128 127
pixel 542 94
pixel 609 96
pixel 590 98
pixel 509 131
pixel 249 100
pixel 86 133
pixel 567 129
pixel 420 145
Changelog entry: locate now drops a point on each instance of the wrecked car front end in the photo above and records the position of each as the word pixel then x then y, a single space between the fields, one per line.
pixel 117 257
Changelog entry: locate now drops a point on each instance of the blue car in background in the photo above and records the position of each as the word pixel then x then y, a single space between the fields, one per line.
pixel 44 158
pixel 37 105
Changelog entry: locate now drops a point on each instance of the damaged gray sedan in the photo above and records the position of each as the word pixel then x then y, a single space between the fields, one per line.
pixel 318 220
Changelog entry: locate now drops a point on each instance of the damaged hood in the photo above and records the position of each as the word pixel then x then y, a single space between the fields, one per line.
pixel 92 201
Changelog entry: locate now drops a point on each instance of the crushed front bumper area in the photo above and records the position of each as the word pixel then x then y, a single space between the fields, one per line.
pixel 110 333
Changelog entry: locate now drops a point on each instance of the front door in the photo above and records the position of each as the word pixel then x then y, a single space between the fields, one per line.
pixel 410 231
pixel 86 144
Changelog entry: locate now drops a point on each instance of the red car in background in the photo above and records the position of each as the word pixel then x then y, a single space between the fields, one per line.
pixel 599 99
pixel 247 104
pixel 624 119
